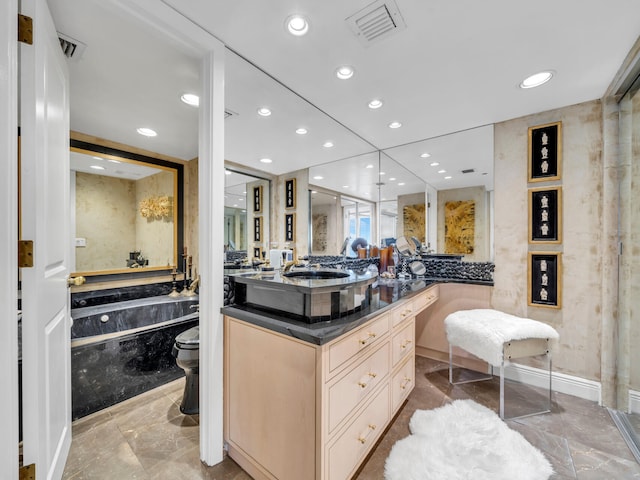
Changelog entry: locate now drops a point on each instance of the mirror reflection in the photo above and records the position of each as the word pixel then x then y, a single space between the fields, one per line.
pixel 239 205
pixel 126 213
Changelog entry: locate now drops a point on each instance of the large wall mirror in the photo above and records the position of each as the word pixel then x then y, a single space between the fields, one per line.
pixel 128 211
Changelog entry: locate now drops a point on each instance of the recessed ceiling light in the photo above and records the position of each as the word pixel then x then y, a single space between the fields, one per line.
pixel 297 25
pixel 265 160
pixel 327 144
pixel 301 131
pixel 345 186
pixel 97 158
pixel 147 132
pixel 383 173
pixel 448 177
pixel 375 103
pixel 314 191
pixel 369 166
pixel 235 204
pixel 401 184
pixel 190 99
pixel 434 164
pixel 344 72
pixel 395 125
pixel 114 161
pixel 425 155
pixel 241 199
pixel 537 79
pixel 392 179
pixel 264 112
pixel 442 171
pixel 318 177
pixel 97 167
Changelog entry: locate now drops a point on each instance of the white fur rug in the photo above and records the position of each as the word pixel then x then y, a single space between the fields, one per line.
pixel 464 441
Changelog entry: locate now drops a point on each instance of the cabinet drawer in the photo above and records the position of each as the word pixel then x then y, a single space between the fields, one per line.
pixel 402 383
pixel 347 392
pixel 403 342
pixel 346 453
pixel 404 311
pixel 425 299
pixel 357 341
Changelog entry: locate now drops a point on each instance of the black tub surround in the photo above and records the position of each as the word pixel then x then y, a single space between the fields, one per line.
pixel 122 349
pixel 113 295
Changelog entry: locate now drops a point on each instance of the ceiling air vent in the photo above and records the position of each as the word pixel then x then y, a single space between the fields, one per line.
pixel 229 113
pixel 376 21
pixel 72 49
pixel 468 170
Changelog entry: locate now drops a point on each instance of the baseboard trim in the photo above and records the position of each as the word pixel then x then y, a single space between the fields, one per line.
pixel 634 401
pixel 560 382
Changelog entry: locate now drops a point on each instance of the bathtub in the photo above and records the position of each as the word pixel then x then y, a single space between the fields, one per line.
pixel 120 350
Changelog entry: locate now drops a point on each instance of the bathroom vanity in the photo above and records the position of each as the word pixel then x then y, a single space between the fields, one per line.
pixel 310 400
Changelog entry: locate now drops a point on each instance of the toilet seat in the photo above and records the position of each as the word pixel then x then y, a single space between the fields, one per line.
pixel 189 339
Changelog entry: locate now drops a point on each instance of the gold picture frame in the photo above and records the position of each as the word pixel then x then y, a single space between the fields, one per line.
pixel 290 193
pixel 545 215
pixel 290 227
pixel 545 279
pixel 545 152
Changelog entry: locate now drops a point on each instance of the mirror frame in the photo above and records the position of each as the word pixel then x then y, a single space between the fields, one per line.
pixel 178 209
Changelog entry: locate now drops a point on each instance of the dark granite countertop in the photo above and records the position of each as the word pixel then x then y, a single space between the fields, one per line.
pixel 385 292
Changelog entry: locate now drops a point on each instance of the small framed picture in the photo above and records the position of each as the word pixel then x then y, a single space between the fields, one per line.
pixel 545 152
pixel 257 252
pixel 545 215
pixel 290 193
pixel 545 279
pixel 290 227
pixel 257 229
pixel 257 199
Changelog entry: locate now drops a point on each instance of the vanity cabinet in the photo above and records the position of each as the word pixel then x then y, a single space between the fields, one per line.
pixel 295 410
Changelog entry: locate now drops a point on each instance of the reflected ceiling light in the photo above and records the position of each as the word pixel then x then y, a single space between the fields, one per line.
pixel 114 161
pixel 369 166
pixel 401 184
pixel 244 211
pixel 190 99
pixel 97 167
pixel 345 186
pixel 235 204
pixel 395 125
pixel 297 25
pixel 301 131
pixel 375 103
pixel 227 172
pixel 448 177
pixel 314 191
pixel 147 132
pixel 392 179
pixel 537 79
pixel 265 160
pixel 97 158
pixel 344 72
pixel 442 171
pixel 383 173
pixel 434 164
pixel 241 199
pixel 318 177
pixel 327 144
pixel 425 155
pixel 264 112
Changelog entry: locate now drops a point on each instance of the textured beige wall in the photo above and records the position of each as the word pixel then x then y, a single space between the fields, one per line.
pixel 481 237
pixel 105 216
pixel 154 236
pixel 191 209
pixel 580 319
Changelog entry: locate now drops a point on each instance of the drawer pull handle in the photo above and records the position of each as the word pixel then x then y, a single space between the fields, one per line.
pixel 365 384
pixel 406 312
pixel 406 382
pixel 371 336
pixel 405 344
pixel 363 438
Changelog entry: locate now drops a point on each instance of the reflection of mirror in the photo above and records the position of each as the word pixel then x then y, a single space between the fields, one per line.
pixel 239 205
pixel 127 212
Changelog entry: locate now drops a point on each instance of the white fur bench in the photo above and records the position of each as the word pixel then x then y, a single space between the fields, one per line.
pixel 497 337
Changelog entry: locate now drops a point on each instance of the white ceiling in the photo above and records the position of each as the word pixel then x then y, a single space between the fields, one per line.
pixel 454 68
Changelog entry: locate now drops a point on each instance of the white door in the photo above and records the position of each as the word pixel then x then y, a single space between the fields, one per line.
pixel 46 354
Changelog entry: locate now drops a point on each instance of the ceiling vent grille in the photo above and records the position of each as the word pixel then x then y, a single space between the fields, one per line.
pixel 229 113
pixel 72 49
pixel 468 170
pixel 376 21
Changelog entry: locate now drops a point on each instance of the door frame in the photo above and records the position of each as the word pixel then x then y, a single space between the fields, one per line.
pixel 211 51
pixel 8 238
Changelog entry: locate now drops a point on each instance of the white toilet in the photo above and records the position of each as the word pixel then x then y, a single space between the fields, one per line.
pixel 187 354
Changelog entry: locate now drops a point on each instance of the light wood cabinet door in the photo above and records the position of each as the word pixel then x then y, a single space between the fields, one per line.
pixel 403 342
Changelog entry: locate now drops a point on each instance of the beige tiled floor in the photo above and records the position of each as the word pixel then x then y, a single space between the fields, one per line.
pixel 148 438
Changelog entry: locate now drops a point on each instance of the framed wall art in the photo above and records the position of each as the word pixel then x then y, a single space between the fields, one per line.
pixel 290 227
pixel 545 279
pixel 545 215
pixel 257 199
pixel 257 252
pixel 257 229
pixel 290 193
pixel 545 152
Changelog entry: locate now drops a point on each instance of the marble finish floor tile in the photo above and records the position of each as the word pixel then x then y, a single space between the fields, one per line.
pixel 146 437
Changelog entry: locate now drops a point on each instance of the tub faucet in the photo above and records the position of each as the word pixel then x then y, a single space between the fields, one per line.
pixel 191 290
pixel 287 266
